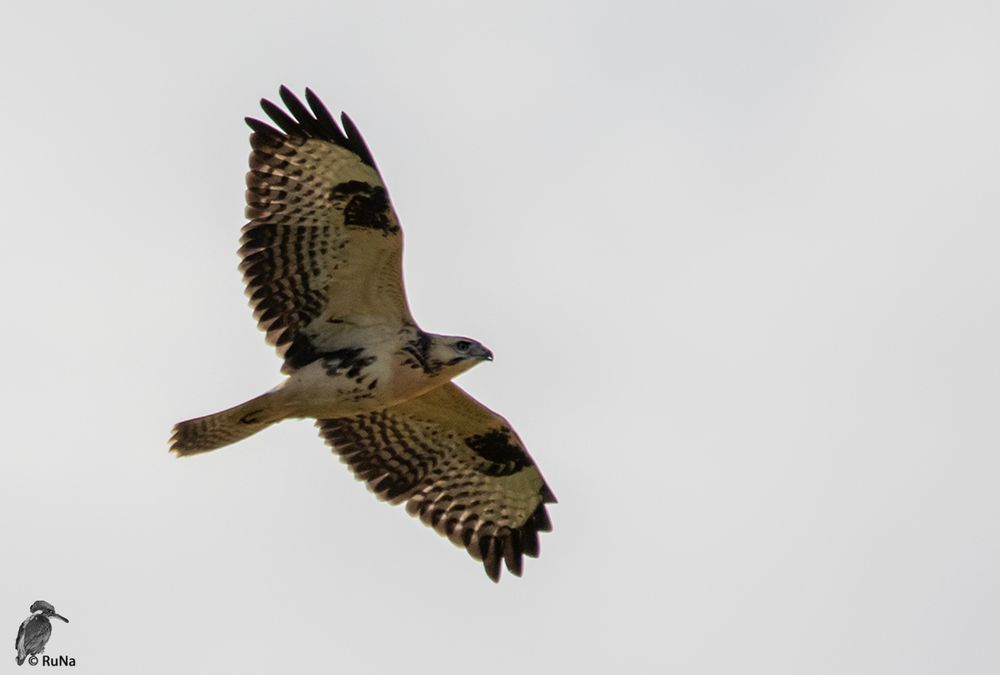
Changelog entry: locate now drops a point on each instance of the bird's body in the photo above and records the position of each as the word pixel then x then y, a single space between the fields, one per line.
pixel 35 631
pixel 377 369
pixel 32 636
pixel 374 371
pixel 322 260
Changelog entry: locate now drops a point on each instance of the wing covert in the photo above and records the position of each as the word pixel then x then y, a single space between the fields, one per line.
pixel 322 252
pixel 459 466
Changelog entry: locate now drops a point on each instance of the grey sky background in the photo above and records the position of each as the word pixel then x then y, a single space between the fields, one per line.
pixel 738 263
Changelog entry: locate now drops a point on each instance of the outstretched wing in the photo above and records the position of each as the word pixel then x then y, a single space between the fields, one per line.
pixel 458 465
pixel 323 250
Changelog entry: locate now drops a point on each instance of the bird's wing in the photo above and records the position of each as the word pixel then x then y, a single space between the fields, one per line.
pixel 323 249
pixel 20 634
pixel 36 635
pixel 458 465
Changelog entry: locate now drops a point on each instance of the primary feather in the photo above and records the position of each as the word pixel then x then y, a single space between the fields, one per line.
pixel 322 262
pixel 323 247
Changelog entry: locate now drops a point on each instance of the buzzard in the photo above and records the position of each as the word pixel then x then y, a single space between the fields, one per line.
pixel 322 262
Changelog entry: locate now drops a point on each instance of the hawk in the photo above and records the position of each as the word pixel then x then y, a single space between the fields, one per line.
pixel 322 262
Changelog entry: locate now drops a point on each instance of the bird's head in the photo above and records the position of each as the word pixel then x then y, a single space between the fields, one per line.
pixel 46 609
pixel 451 355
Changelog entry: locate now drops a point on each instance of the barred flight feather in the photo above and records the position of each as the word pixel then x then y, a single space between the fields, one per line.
pixel 425 452
pixel 323 244
pixel 321 258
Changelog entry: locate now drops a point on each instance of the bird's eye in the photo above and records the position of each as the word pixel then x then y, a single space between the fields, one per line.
pixel 462 346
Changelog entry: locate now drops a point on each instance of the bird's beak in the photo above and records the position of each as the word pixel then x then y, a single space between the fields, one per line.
pixel 60 616
pixel 487 354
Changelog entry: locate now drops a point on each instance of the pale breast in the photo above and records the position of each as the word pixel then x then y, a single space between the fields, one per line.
pixel 350 380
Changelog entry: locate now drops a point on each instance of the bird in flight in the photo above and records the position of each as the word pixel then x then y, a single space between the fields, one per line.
pixel 322 262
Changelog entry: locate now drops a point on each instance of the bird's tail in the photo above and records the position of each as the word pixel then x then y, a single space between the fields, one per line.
pixel 215 431
pixel 20 659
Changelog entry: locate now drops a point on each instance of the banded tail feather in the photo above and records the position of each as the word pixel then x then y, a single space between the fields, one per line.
pixel 211 432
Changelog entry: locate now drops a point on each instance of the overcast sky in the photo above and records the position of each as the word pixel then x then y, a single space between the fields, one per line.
pixel 738 262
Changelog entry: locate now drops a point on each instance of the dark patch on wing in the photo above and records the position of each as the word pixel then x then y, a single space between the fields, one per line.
pixel 404 457
pixel 310 194
pixel 364 205
pixel 502 456
pixel 348 361
pixel 300 353
pixel 313 122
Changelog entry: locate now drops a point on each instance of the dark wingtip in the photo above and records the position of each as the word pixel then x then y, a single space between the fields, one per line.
pixel 355 141
pixel 312 122
pixel 261 127
pixel 529 542
pixel 491 557
pixel 281 118
pixel 326 122
pixel 540 519
pixel 302 115
pixel 349 126
pixel 512 552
